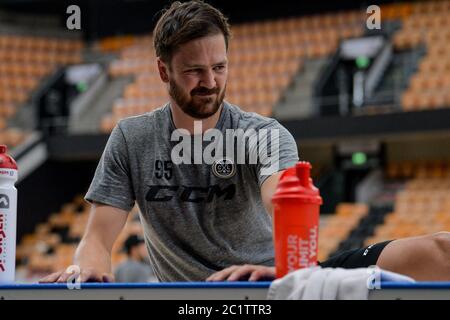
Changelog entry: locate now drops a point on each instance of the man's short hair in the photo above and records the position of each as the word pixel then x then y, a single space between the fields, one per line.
pixel 131 242
pixel 184 22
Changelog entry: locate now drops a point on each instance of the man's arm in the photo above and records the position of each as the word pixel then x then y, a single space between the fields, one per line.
pixel 93 255
pixel 268 189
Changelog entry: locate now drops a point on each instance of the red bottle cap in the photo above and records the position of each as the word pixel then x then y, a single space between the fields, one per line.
pixel 6 162
pixel 295 183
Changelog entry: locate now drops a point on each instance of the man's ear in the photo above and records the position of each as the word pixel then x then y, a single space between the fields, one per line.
pixel 162 68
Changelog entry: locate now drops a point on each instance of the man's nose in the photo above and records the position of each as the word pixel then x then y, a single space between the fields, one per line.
pixel 208 79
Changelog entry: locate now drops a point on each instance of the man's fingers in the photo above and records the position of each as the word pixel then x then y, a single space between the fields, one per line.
pixel 94 276
pixel 51 278
pixel 73 272
pixel 256 275
pixel 222 275
pixel 236 273
pixel 66 276
pixel 107 277
pixel 266 273
pixel 89 276
pixel 240 272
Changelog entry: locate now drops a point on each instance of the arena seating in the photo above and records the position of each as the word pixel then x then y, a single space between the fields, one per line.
pixel 427 25
pixel 24 62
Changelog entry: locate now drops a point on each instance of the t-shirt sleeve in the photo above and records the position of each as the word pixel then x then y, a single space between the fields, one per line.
pixel 277 152
pixel 111 184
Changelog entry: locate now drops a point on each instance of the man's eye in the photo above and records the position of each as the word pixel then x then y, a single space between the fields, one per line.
pixel 219 68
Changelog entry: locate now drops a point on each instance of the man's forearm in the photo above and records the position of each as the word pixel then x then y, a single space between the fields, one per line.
pixel 92 253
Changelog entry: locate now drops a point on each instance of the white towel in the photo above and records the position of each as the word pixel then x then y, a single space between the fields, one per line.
pixel 318 283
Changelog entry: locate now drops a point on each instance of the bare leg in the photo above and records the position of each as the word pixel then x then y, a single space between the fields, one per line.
pixel 424 258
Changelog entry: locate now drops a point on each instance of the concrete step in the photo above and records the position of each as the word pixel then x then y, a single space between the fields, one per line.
pixel 293 111
pixel 89 120
pixel 304 91
pixel 297 101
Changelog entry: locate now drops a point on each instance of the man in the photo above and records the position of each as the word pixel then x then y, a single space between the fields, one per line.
pixel 135 268
pixel 206 221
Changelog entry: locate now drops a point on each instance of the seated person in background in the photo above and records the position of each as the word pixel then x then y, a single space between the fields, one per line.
pixel 135 268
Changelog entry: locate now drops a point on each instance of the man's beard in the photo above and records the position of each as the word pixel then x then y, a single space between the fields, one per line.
pixel 205 108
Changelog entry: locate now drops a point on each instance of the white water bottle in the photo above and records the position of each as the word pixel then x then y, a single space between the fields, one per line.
pixel 8 216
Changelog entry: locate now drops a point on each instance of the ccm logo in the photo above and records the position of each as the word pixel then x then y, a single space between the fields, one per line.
pixel 190 194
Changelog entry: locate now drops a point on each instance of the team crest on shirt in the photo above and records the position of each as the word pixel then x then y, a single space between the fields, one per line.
pixel 224 168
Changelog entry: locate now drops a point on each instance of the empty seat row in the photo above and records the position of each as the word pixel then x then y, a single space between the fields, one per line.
pixel 29 43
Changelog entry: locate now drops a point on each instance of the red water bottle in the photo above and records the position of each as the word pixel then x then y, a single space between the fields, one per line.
pixel 296 220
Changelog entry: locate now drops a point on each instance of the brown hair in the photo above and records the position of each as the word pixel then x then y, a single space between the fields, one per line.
pixel 187 21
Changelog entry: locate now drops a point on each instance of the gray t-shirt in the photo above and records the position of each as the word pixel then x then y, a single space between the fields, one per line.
pixel 197 218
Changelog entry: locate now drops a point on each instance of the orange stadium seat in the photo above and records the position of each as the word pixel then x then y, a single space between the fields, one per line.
pixel 423 206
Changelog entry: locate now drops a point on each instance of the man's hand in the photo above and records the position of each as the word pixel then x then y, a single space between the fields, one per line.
pixel 74 272
pixel 247 271
pixel 92 261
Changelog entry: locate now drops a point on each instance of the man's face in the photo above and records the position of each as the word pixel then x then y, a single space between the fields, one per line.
pixel 197 76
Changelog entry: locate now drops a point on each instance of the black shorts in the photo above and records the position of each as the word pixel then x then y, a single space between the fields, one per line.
pixel 358 258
